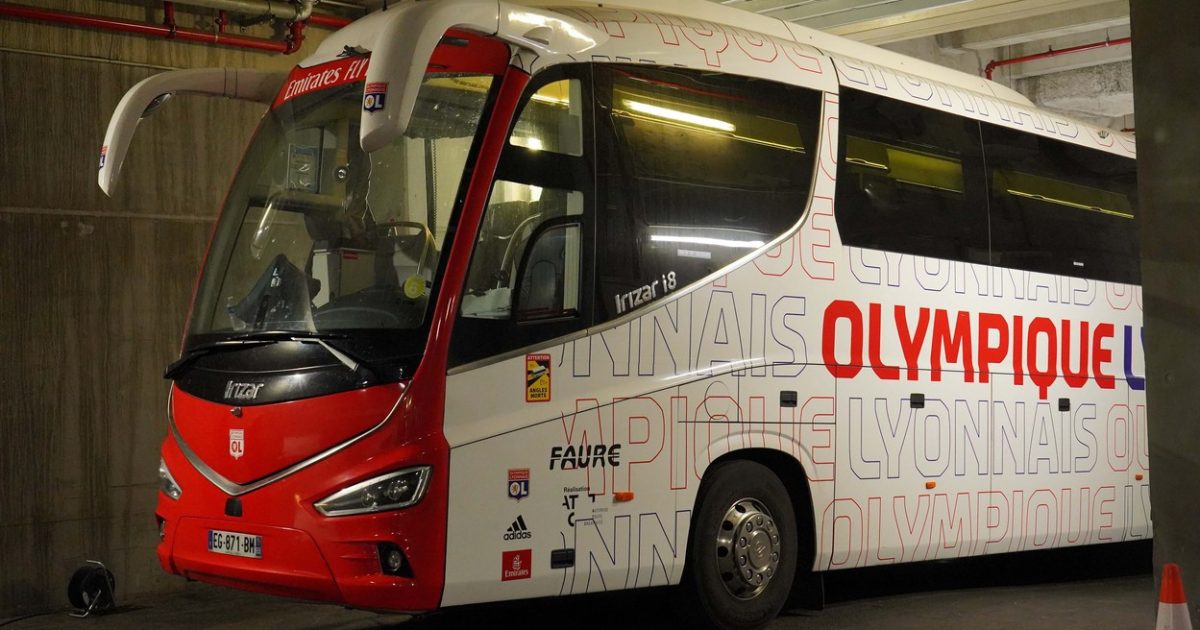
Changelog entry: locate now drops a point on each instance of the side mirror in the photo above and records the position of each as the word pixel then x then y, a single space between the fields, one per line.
pixel 550 273
pixel 399 55
pixel 151 93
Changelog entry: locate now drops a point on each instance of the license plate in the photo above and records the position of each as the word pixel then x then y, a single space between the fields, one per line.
pixel 234 544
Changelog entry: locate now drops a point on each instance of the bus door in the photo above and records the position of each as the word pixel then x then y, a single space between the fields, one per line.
pixel 529 281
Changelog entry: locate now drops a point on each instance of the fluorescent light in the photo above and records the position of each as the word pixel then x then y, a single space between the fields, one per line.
pixel 529 142
pixel 704 240
pixel 676 115
pixel 552 100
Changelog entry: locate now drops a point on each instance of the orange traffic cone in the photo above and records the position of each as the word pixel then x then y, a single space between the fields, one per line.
pixel 1172 604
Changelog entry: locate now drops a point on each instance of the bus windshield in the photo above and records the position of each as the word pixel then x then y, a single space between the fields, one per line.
pixel 318 236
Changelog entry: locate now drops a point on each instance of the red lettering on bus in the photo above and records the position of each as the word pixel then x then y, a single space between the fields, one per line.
pixel 951 345
pixel 882 370
pixel 842 309
pixel 1045 349
pixel 989 354
pixel 1101 355
pixel 911 342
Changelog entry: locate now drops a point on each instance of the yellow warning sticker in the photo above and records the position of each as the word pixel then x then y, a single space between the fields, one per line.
pixel 537 378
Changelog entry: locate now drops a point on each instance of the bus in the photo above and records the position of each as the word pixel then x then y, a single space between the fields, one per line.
pixel 513 300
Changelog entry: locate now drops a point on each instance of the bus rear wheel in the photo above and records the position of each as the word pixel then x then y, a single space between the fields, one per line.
pixel 742 550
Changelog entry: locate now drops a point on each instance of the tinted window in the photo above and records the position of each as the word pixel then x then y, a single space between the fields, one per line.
pixel 529 279
pixel 552 119
pixel 909 180
pixel 1060 208
pixel 696 170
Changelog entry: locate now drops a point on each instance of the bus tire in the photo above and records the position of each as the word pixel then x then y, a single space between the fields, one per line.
pixel 743 547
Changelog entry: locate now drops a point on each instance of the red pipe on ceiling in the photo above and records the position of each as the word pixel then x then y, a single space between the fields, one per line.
pixel 992 65
pixel 328 21
pixel 169 30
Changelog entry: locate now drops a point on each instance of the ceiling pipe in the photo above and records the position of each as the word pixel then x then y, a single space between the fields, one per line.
pixel 992 65
pixel 327 21
pixel 292 12
pixel 168 31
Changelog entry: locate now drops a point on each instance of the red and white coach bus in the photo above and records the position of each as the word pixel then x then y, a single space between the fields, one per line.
pixel 521 299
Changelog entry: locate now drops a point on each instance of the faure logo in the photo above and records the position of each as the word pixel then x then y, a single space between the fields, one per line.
pixel 237 443
pixel 515 565
pixel 103 155
pixel 242 391
pixel 585 456
pixel 518 530
pixel 518 483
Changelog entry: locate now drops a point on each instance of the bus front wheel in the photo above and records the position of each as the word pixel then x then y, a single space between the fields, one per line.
pixel 742 550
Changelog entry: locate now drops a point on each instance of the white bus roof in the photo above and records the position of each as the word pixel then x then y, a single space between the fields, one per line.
pixel 367 31
pixel 361 31
pixel 825 42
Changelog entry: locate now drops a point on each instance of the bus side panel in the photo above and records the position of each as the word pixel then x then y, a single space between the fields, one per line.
pixel 1066 442
pixel 557 487
pixel 912 469
pixel 1044 372
pixel 606 471
pixel 1139 469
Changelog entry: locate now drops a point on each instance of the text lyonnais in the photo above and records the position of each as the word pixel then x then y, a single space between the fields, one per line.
pixel 1038 349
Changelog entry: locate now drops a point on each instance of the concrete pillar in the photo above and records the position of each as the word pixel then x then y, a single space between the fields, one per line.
pixel 1167 97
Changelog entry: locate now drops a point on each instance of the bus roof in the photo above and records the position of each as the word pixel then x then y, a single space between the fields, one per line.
pixel 825 42
pixel 365 32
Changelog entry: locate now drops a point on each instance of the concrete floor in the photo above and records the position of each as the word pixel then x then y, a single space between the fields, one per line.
pixel 1091 588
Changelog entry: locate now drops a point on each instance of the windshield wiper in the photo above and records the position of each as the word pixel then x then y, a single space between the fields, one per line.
pixel 285 335
pixel 266 337
pixel 349 359
pixel 177 366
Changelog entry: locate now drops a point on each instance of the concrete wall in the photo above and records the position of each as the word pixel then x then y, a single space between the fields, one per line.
pixel 94 292
pixel 1167 95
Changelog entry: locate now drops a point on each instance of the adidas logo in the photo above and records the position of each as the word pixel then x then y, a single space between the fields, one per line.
pixel 518 530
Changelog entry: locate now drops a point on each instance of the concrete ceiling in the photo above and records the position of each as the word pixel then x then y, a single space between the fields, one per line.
pixel 1095 85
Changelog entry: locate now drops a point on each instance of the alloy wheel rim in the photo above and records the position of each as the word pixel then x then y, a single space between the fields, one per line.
pixel 747 548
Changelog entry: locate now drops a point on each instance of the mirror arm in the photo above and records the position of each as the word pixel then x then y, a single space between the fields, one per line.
pixel 145 97
pixel 405 43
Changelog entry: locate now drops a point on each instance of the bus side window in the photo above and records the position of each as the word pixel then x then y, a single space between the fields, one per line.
pixel 909 180
pixel 552 120
pixel 696 170
pixel 513 215
pixel 1061 208
pixel 530 273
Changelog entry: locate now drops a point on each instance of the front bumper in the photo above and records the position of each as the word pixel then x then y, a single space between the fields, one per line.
pixel 308 555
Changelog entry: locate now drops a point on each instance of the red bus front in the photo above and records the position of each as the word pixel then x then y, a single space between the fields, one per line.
pixel 305 455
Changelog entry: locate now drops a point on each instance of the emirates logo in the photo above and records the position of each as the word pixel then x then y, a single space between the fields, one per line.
pixel 515 565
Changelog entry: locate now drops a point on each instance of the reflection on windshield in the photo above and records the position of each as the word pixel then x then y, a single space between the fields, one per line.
pixel 280 295
pixel 317 235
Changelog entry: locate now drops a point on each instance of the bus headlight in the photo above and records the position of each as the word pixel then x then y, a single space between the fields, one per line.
pixel 166 482
pixel 392 491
